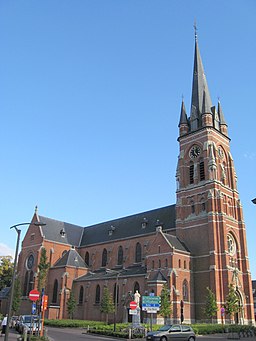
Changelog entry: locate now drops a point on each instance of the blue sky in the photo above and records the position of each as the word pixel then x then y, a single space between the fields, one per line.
pixel 90 95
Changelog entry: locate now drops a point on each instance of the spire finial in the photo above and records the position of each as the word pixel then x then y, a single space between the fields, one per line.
pixel 36 209
pixel 195 28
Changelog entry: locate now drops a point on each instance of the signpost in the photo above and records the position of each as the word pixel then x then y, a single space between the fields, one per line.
pixel 44 307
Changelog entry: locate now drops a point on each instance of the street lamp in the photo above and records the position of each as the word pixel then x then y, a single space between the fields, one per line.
pixel 14 272
pixel 116 293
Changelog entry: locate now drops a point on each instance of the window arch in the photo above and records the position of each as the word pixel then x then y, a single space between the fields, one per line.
pixel 55 292
pixel 185 290
pixel 81 295
pixel 185 264
pixel 120 255
pixel 159 263
pixel 166 263
pixel 116 294
pixel 87 258
pixel 97 294
pixel 153 264
pixel 136 287
pixel 192 207
pixel 138 253
pixel 191 173
pixel 25 290
pixel 179 263
pixel 104 258
pixel 201 170
pixel 31 281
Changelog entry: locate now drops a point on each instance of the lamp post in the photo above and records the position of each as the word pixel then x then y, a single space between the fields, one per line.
pixel 116 293
pixel 14 273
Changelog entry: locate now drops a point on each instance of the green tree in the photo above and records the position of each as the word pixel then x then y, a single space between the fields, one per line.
pixel 211 306
pixel 6 270
pixel 107 304
pixel 232 302
pixel 16 296
pixel 71 305
pixel 165 309
pixel 43 268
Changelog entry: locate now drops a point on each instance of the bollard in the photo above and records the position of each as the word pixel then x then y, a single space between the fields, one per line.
pixel 130 333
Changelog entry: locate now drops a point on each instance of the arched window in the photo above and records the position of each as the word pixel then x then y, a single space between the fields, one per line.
pixel 166 263
pixel 31 281
pixel 185 264
pixel 159 263
pixel 116 294
pixel 87 258
pixel 81 295
pixel 185 290
pixel 55 292
pixel 153 264
pixel 138 253
pixel 104 258
pixel 25 287
pixel 136 287
pixel 192 207
pixel 120 256
pixel 201 170
pixel 179 263
pixel 97 294
pixel 191 173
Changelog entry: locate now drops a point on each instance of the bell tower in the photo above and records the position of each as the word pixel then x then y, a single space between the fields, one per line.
pixel 209 216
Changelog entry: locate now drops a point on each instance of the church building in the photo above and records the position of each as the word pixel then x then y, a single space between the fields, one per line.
pixel 198 242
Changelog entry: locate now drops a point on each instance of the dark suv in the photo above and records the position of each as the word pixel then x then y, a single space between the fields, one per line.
pixel 172 332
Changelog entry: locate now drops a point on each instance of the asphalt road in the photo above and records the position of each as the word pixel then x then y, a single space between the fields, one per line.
pixel 78 334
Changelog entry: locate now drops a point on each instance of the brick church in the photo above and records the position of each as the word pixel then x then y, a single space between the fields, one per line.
pixel 196 243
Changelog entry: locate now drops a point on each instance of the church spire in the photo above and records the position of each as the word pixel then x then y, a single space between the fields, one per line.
pixel 200 91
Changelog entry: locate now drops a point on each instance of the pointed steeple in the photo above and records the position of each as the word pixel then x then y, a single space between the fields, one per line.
pixel 223 124
pixel 183 114
pixel 183 124
pixel 200 92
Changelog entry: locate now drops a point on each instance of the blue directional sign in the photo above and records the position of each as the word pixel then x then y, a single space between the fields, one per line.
pixel 33 308
pixel 151 303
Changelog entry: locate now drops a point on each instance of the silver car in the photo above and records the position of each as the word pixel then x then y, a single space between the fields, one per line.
pixel 177 332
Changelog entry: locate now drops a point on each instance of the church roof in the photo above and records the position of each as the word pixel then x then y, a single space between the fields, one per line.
pixel 131 226
pixel 4 293
pixel 59 231
pixel 121 228
pixel 176 243
pixel 71 258
pixel 112 274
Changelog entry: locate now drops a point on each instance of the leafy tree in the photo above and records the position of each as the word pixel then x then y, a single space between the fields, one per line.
pixel 43 268
pixel 107 304
pixel 17 296
pixel 211 307
pixel 165 309
pixel 232 302
pixel 71 305
pixel 6 270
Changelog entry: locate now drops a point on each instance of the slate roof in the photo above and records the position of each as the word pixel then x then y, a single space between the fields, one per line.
pixel 130 226
pixel 104 274
pixel 108 231
pixel 4 293
pixel 71 258
pixel 175 242
pixel 158 277
pixel 53 228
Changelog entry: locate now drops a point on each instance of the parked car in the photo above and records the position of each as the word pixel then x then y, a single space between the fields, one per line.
pixel 29 323
pixel 13 321
pixel 172 332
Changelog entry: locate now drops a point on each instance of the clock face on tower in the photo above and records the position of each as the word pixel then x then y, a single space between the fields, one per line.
pixel 194 152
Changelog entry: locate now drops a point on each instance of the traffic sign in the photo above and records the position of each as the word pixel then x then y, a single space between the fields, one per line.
pixel 34 295
pixel 33 308
pixel 151 304
pixel 133 312
pixel 133 305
